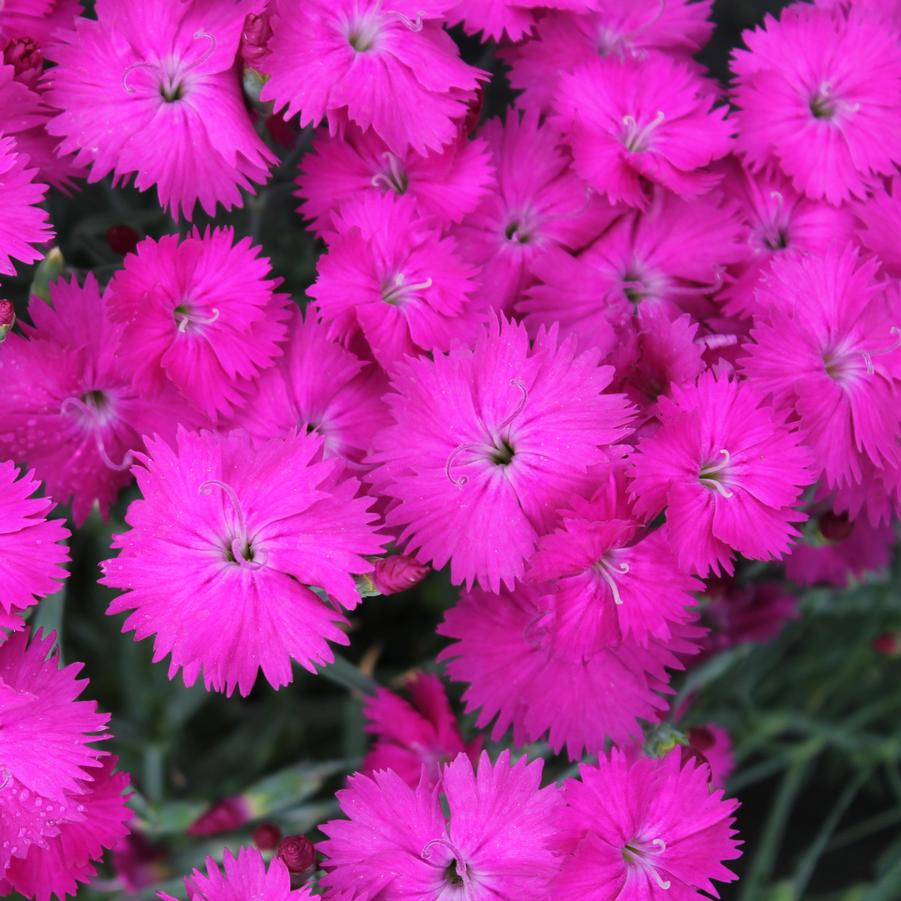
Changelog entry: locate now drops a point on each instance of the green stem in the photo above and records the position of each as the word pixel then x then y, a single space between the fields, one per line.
pixel 342 672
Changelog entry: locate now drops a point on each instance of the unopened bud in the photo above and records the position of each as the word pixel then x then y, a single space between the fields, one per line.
pixel 122 239
pixel 255 38
pixel 887 643
pixel 267 836
pixel 7 318
pixel 25 56
pixel 397 573
pixel 297 853
pixel 224 816
pixel 835 526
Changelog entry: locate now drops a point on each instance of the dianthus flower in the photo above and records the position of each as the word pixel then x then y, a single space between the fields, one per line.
pixel 152 90
pixel 199 314
pixel 69 858
pixel 36 19
pixel 317 386
pixel 22 221
pixel 398 843
pixel 414 739
pixel 392 277
pixel 445 186
pixel 819 95
pixel 387 65
pixel 728 471
pixel 523 670
pixel 513 19
pixel 840 549
pixel 635 122
pixel 712 745
pixel 615 28
pixel 31 545
pixel 241 878
pixel 536 203
pixel 68 406
pixel 222 549
pixel 490 440
pixel 648 829
pixel 827 345
pixel 47 758
pixel 880 223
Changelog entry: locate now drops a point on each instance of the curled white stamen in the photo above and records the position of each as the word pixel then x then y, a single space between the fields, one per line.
pixel 185 320
pixel 452 458
pixel 660 844
pixel 426 854
pixel 211 49
pixel 75 403
pixel 128 88
pixel 520 404
pixel 406 21
pixel 707 473
pixel 606 570
pixel 206 488
pixel 869 354
pixel 636 138
pixel 400 290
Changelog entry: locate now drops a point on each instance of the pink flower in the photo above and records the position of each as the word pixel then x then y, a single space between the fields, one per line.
pixel 398 843
pixel 614 28
pixel 614 578
pixel 840 550
pixel 490 440
pixel 634 122
pixel 392 277
pixel 536 203
pixel 68 406
pixel 199 314
pixel 712 745
pixel 70 857
pixel 36 19
pixel 387 65
pixel 826 346
pixel 317 386
pixel 414 739
pixel 240 878
pixel 22 221
pixel 445 186
pixel 46 745
pixel 880 220
pixel 522 669
pixel 728 471
pixel 650 829
pixel 513 19
pixel 154 92
pixel 32 546
pixel 819 95
pixel 221 550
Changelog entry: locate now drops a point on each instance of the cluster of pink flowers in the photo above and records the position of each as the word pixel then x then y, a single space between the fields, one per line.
pixel 585 355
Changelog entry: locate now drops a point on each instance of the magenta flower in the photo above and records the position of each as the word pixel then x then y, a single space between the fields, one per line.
pixel 68 406
pixel 523 672
pixel 154 92
pixel 36 19
pixel 445 186
pixel 513 19
pixel 69 858
pixel 819 95
pixel 399 843
pixel 535 204
pixel 392 277
pixel 728 471
pixel 648 830
pixel 47 758
pixel 200 315
pixel 32 546
pixel 631 123
pixel 385 65
pixel 414 739
pixel 240 878
pixel 491 440
pixel 223 525
pixel 712 745
pixel 880 221
pixel 614 28
pixel 317 386
pixel 22 221
pixel 826 346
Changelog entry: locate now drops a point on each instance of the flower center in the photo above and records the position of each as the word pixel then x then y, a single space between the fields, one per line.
pixel 637 138
pixel 451 874
pixel 608 571
pixel 393 177
pixel 398 292
pixel 238 547
pixel 517 232
pixel 503 452
pixel 715 474
pixel 363 32
pixel 644 855
pixel 824 105
pixel 187 316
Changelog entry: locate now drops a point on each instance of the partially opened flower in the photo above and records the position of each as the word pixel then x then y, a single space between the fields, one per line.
pixel 631 123
pixel 32 548
pixel 414 739
pixel 223 549
pixel 37 20
pixel 200 315
pixel 317 386
pixel 648 829
pixel 712 745
pixel 826 345
pixel 70 858
pixel 23 223
pixel 727 469
pixel 490 440
pixel 399 842
pixel 445 186
pixel 819 95
pixel 47 754
pixel 387 65
pixel 68 405
pixel 153 91
pixel 241 878
pixel 391 276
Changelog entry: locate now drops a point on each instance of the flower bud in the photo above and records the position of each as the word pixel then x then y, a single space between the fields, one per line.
pixel 835 526
pixel 122 239
pixel 25 56
pixel 887 643
pixel 266 836
pixel 297 853
pixel 7 318
pixel 223 816
pixel 255 37
pixel 397 573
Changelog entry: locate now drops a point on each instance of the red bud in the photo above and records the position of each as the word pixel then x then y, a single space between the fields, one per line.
pixel 887 643
pixel 25 56
pixel 223 816
pixel 835 526
pixel 255 37
pixel 122 239
pixel 267 836
pixel 397 573
pixel 297 853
